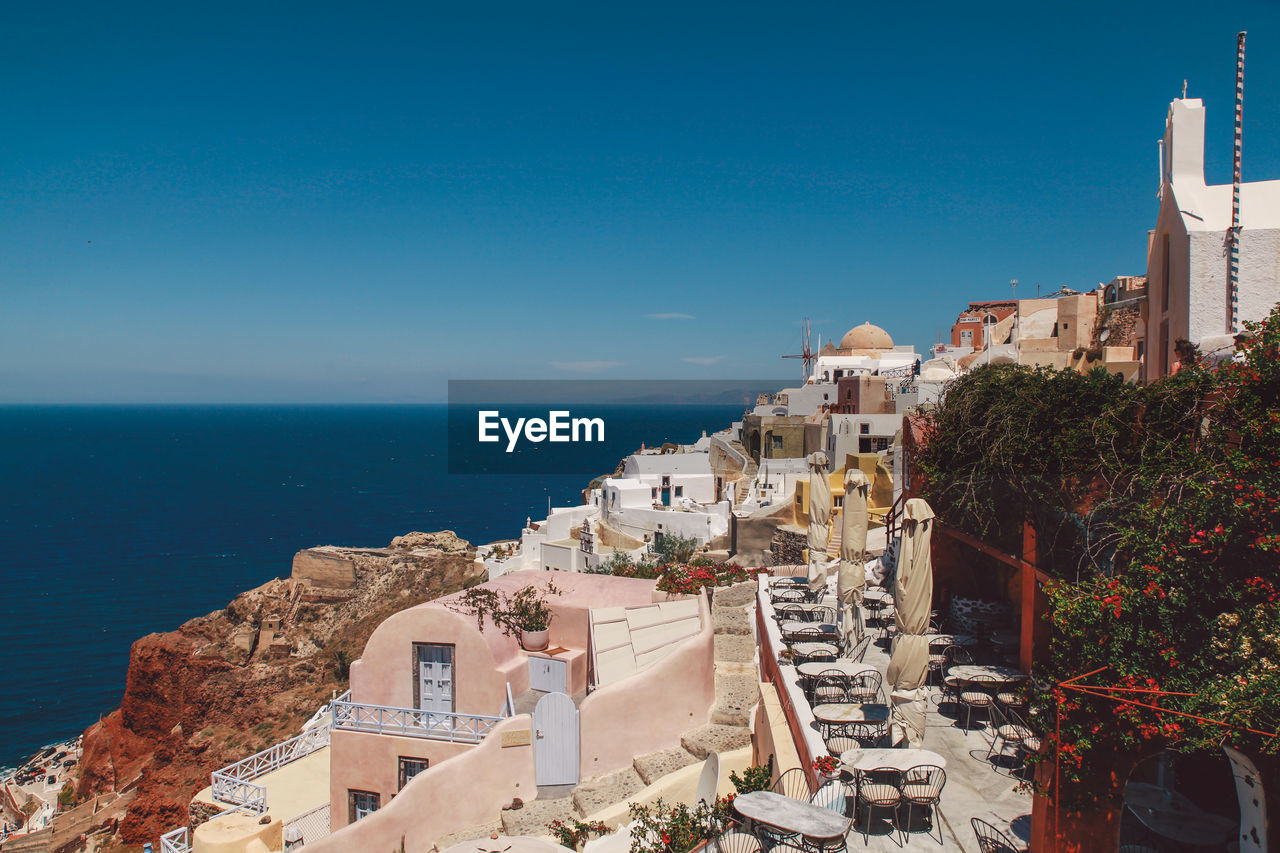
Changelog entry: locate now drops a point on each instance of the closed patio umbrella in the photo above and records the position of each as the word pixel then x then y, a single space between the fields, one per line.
pixel 912 597
pixel 852 578
pixel 819 518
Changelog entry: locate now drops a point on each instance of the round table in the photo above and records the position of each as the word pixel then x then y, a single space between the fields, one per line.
pixel 847 712
pixel 795 626
pixel 897 759
pixel 846 667
pixel 790 815
pixel 952 640
pixel 877 595
pixel 1174 816
pixel 969 671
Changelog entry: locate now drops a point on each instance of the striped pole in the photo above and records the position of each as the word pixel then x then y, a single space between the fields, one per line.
pixel 1234 234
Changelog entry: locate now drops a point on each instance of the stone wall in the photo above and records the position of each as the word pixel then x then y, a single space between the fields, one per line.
pixel 326 568
pixel 787 547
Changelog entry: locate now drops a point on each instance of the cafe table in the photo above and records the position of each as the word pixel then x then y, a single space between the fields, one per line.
pixel 969 671
pixel 839 713
pixel 1172 815
pixel 846 667
pixel 795 626
pixel 791 816
pixel 866 760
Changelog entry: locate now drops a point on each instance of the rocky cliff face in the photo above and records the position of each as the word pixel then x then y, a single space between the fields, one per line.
pixel 228 684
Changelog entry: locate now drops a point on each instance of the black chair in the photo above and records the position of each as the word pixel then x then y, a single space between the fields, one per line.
pixel 951 686
pixel 734 837
pixel 880 789
pixel 831 686
pixel 864 688
pixel 794 784
pixel 922 788
pixel 992 840
pixel 839 797
pixel 858 651
pixel 789 613
pixel 977 694
pixel 1010 729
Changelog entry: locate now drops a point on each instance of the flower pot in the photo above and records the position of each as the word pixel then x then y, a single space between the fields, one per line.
pixel 534 641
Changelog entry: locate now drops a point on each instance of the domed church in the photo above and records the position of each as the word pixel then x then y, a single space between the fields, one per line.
pixel 865 350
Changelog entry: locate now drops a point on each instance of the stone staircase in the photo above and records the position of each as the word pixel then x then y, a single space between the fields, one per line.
pixel 737 691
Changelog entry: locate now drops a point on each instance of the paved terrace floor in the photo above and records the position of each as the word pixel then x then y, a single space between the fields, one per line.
pixel 974 788
pixel 295 788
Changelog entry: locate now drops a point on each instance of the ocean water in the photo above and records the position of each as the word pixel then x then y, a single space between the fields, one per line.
pixel 119 521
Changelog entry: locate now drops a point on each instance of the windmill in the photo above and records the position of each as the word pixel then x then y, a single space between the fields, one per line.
pixel 806 352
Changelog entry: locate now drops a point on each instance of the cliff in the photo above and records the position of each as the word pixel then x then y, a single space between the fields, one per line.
pixel 228 684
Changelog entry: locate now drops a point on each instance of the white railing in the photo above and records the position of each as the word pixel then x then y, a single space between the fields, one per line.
pixel 412 722
pixel 275 757
pixel 307 827
pixel 176 841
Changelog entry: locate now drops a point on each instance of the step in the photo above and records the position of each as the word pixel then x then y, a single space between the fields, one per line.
pixel 470 834
pixel 737 648
pixel 655 765
pixel 730 620
pixel 737 691
pixel 595 794
pixel 715 738
pixel 533 818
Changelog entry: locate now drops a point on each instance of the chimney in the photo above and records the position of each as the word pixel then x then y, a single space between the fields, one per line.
pixel 1184 143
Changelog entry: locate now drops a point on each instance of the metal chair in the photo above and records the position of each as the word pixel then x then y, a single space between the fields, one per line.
pixel 859 650
pixel 789 612
pixel 977 694
pixel 992 840
pixel 794 784
pixel 950 687
pixel 864 687
pixel 831 685
pixel 880 789
pixel 1008 729
pixel 734 837
pixel 839 797
pixel 922 787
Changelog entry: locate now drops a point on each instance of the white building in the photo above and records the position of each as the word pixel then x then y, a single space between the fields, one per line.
pixel 1187 262
pixel 864 350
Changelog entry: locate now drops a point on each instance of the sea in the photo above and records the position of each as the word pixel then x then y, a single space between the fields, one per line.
pixel 120 521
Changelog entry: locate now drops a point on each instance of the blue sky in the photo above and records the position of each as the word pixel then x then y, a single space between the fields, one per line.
pixel 356 202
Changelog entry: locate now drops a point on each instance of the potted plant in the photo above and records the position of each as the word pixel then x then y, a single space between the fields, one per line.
pixel 523 614
pixel 827 766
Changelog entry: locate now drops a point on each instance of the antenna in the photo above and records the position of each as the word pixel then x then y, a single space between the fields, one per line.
pixel 806 352
pixel 1233 236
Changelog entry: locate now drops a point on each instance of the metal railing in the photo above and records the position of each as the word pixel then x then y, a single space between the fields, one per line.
pixel 176 841
pixel 307 827
pixel 411 722
pixel 234 783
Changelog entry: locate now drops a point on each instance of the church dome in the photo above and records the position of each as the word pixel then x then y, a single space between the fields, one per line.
pixel 866 336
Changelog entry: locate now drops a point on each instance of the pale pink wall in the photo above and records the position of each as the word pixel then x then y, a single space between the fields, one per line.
pixel 650 710
pixel 464 791
pixel 360 761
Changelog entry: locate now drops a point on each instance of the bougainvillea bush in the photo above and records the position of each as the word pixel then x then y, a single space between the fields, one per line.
pixel 690 578
pixel 1159 507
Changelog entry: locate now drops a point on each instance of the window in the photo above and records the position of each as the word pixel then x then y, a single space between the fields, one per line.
pixel 654 493
pixel 361 804
pixel 777 442
pixel 679 491
pixel 864 429
pixel 410 767
pixel 882 444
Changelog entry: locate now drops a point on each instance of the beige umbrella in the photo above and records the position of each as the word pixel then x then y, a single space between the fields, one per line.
pixel 913 598
pixel 852 578
pixel 819 518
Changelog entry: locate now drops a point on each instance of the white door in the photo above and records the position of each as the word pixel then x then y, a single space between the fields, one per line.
pixel 555 740
pixel 435 677
pixel 548 675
